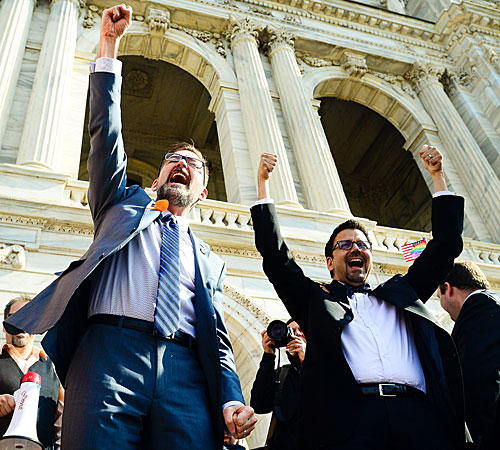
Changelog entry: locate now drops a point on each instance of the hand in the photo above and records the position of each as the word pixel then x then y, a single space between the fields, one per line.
pixel 115 21
pixel 7 404
pixel 267 343
pixel 432 159
pixel 297 347
pixel 240 420
pixel 266 166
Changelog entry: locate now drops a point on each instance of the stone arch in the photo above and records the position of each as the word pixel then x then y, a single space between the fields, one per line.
pixel 397 103
pixel 399 107
pixel 202 61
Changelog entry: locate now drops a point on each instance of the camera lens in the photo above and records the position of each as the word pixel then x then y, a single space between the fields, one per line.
pixel 280 333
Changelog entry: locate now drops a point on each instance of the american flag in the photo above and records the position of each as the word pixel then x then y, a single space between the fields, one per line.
pixel 413 250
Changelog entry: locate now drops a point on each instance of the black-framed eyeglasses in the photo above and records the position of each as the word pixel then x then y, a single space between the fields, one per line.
pixel 347 245
pixel 195 163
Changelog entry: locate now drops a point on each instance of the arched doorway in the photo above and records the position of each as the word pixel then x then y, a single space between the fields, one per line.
pixel 162 104
pixel 380 178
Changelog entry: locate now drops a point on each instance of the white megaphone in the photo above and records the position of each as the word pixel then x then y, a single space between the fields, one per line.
pixel 21 433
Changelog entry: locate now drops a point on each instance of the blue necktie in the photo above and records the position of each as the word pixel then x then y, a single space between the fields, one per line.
pixel 167 310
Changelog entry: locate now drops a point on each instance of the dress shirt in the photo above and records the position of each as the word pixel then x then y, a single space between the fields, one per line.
pixel 25 365
pixel 379 344
pixel 126 283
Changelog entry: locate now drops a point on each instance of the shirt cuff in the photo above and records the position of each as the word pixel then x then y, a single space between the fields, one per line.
pixel 106 64
pixel 264 201
pixel 231 403
pixel 440 193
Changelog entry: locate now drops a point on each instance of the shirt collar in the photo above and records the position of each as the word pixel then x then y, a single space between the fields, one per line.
pixel 35 352
pixel 182 221
pixel 477 291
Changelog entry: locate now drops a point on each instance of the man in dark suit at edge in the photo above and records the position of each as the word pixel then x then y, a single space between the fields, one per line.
pixel 465 295
pixel 136 327
pixel 380 372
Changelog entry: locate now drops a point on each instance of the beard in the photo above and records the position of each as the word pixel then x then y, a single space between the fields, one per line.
pixel 176 196
pixel 20 341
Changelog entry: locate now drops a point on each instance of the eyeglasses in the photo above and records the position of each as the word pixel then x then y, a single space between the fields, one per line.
pixel 347 245
pixel 193 162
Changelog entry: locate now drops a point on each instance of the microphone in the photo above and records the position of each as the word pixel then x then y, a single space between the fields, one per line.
pixel 21 433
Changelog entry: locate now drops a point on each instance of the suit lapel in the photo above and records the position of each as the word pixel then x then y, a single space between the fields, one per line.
pixel 148 217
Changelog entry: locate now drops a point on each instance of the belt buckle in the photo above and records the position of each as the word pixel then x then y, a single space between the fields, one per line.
pixel 381 390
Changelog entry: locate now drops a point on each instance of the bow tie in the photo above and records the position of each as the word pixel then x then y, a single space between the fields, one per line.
pixel 365 288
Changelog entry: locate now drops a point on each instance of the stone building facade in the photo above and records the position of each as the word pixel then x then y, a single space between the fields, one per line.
pixel 343 92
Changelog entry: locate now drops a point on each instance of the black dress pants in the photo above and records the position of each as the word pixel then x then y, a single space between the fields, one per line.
pixel 396 423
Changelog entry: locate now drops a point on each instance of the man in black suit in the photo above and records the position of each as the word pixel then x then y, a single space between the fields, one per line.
pixel 476 312
pixel 380 372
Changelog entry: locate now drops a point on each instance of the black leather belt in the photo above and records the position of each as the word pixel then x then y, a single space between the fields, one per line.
pixel 390 390
pixel 178 337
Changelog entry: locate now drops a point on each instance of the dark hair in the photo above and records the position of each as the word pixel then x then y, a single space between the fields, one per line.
pixel 465 275
pixel 350 224
pixel 186 146
pixel 290 320
pixel 20 298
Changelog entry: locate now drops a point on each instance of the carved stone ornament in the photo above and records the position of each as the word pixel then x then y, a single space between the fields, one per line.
pixel 354 64
pixel 424 74
pixel 157 20
pixel 242 28
pixel 13 256
pixel 314 62
pixel 92 14
pixel 204 36
pixel 395 80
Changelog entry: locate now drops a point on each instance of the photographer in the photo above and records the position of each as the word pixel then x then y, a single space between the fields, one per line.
pixel 277 390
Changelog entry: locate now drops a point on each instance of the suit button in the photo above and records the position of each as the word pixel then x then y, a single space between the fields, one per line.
pixel 101 256
pixel 132 230
pixel 348 317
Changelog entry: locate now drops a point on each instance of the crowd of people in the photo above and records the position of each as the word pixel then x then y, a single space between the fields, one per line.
pixel 135 330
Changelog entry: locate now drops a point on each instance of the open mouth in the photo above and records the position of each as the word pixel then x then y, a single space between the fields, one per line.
pixel 356 262
pixel 179 176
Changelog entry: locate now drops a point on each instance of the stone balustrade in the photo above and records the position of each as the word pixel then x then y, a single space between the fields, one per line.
pixel 387 242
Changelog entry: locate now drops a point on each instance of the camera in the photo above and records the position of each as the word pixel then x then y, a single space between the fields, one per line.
pixel 280 333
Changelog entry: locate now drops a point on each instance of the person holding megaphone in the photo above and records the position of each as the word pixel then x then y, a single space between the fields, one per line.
pixel 18 357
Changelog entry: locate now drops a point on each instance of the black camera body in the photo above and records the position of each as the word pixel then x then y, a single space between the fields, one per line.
pixel 280 333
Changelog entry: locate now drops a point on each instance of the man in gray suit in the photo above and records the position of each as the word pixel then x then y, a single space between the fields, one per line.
pixel 135 327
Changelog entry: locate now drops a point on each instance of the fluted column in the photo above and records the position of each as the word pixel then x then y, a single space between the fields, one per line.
pixel 457 87
pixel 320 180
pixel 259 117
pixel 15 19
pixel 467 158
pixel 41 141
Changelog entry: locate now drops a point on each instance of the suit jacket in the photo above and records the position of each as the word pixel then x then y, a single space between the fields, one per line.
pixel 330 396
pixel 477 336
pixel 119 214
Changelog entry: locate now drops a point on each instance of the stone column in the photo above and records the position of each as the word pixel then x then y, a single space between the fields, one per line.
pixel 320 180
pixel 41 141
pixel 259 117
pixel 15 19
pixel 464 153
pixel 457 86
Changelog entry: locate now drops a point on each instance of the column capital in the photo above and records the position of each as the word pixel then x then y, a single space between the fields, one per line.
pixel 279 38
pixel 422 75
pixel 243 28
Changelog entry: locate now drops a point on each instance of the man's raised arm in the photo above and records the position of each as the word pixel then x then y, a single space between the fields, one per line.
pixel 107 160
